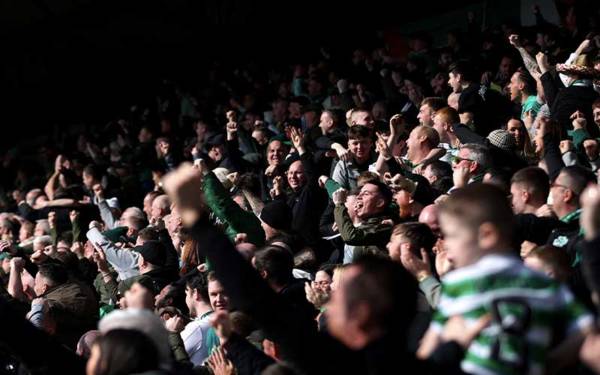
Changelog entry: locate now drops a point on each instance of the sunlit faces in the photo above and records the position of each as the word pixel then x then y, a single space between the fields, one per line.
pixel 515 87
pixel 515 127
pixel 295 175
pixel 460 241
pixel 425 115
pixel 369 201
pixel 360 148
pixel 276 151
pixel 219 301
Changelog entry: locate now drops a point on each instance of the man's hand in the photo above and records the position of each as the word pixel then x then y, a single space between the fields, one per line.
pixel 38 257
pixel 514 40
pixel 456 329
pixel 232 128
pixel 175 324
pixel 339 196
pixel 578 120
pixel 270 171
pixel 222 324
pixel 98 191
pixel 219 364
pixel 341 152
pixel 396 125
pixel 590 215
pixel 17 264
pixel 545 211
pixel 100 259
pixel 460 177
pixel 382 147
pixel 420 268
pixel 297 139
pixel 59 163
pixel 542 61
pixel 322 181
pixel 565 146
pixel 184 186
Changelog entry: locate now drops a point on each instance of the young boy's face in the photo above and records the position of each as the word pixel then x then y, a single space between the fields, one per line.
pixel 460 241
pixel 360 148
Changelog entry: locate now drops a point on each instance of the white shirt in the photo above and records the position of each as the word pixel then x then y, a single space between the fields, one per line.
pixel 194 336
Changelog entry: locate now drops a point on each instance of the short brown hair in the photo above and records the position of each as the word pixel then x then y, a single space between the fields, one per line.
pixel 476 204
pixel 431 135
pixel 555 258
pixel 418 234
pixel 435 103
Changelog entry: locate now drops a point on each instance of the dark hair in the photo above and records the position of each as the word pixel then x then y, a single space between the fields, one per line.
pixel 438 168
pixel 174 297
pixel 418 234
pixel 384 190
pixel 557 259
pixel 199 283
pixel 578 178
pixel 56 273
pixel 328 268
pixel 387 288
pixel 277 262
pixel 465 69
pixel 125 351
pixel 529 84
pixel 148 234
pixel 535 180
pixel 358 131
pixel 434 103
pixel 94 171
pixel 476 204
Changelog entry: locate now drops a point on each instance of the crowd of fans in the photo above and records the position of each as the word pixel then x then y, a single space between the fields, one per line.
pixel 356 214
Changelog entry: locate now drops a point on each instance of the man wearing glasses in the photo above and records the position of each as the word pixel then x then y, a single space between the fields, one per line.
pixel 469 165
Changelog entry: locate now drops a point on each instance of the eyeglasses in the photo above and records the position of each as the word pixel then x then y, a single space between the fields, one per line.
pixel 554 184
pixel 458 159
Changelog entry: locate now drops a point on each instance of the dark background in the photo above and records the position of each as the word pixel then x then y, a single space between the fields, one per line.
pixel 66 61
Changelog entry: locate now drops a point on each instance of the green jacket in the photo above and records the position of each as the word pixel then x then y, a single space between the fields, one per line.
pixel 369 237
pixel 236 219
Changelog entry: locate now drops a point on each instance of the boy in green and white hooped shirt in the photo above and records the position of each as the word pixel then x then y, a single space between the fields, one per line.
pixel 531 315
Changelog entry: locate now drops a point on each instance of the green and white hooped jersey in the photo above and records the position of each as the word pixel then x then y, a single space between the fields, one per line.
pixel 529 312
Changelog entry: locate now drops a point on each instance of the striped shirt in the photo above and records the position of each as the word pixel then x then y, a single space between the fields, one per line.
pixel 529 311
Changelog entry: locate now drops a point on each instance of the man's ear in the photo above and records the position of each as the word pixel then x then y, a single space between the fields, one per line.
pixel 488 236
pixel 569 195
pixel 526 196
pixel 473 166
pixel 380 203
pixel 264 274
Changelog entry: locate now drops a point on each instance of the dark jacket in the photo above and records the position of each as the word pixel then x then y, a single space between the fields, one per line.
pixel 308 204
pixel 370 237
pixel 236 219
pixel 564 101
